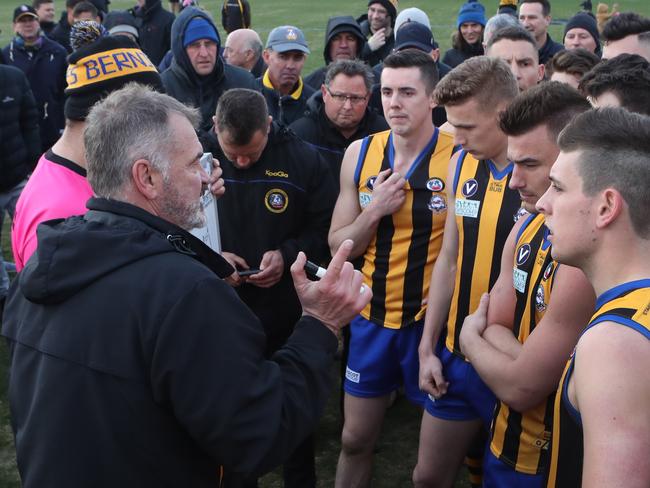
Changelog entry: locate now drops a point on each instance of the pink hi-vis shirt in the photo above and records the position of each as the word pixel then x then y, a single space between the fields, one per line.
pixel 57 189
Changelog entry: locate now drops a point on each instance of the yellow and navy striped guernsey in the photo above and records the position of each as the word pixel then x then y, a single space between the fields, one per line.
pixel 399 259
pixel 485 213
pixel 628 305
pixel 522 439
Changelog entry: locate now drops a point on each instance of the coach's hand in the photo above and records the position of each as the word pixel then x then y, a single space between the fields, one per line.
pixel 338 297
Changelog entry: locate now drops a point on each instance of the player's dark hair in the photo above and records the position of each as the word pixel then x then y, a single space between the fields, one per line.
pixel 414 58
pixel 551 103
pixel 627 76
pixel 615 153
pixel 575 62
pixel 625 24
pixel 546 5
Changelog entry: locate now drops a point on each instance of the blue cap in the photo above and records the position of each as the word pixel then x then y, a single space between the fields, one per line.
pixel 287 38
pixel 415 35
pixel 471 11
pixel 199 28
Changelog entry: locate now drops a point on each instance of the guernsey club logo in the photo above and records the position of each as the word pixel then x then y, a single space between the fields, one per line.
pixel 523 253
pixel 548 271
pixel 437 204
pixel 435 184
pixel 276 200
pixel 470 187
pixel 370 183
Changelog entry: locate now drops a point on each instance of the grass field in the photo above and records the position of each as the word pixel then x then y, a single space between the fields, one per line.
pixel 397 448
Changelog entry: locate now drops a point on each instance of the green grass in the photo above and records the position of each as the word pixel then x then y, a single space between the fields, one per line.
pixel 396 454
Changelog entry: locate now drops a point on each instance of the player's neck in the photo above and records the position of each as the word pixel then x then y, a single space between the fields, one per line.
pixel 623 259
pixel 500 160
pixel 408 148
pixel 70 145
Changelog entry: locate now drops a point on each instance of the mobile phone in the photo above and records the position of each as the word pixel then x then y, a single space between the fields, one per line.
pixel 247 272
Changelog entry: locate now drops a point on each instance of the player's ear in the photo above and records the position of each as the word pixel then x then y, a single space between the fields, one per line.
pixel 610 206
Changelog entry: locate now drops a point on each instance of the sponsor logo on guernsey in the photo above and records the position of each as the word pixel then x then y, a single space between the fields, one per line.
pixel 364 199
pixel 435 184
pixel 280 174
pixel 437 204
pixel 276 200
pixel 520 213
pixel 467 208
pixel 523 253
pixel 351 375
pixel 540 302
pixel 469 188
pixel 519 278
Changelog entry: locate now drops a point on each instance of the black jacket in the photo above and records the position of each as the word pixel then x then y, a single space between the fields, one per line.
pixel 284 108
pixel 549 49
pixel 335 25
pixel 282 202
pixel 19 134
pixel 373 57
pixel 143 368
pixel 45 69
pixel 453 57
pixel 317 130
pixel 48 27
pixel 182 82
pixel 61 33
pixel 154 27
pixel 235 14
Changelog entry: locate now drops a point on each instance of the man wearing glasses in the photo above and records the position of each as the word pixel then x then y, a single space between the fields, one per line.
pixel 338 114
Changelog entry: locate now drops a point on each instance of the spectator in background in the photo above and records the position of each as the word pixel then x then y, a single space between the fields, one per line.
pixel 282 86
pixel 122 23
pixel 46 14
pixel 154 27
pixel 58 187
pixel 338 113
pixel 498 22
pixel 467 41
pixel 244 49
pixel 198 76
pixel 235 14
pixel 535 16
pixel 61 33
pixel 343 40
pixel 85 11
pixel 623 81
pixel 627 33
pixel 508 7
pixel 378 29
pixel 569 66
pixel 582 31
pixel 19 147
pixel 517 48
pixel 44 63
pixel 412 14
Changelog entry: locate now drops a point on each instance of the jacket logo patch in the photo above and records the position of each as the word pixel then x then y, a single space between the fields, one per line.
pixel 435 184
pixel 523 253
pixel 470 187
pixel 437 204
pixel 7 99
pixel 280 174
pixel 276 200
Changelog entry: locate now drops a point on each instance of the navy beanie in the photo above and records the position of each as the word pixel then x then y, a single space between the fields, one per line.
pixel 472 11
pixel 585 21
pixel 199 28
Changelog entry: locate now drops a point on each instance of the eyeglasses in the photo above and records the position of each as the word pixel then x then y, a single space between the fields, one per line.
pixel 342 97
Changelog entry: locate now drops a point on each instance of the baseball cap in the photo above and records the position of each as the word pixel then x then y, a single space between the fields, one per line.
pixel 414 34
pixel 23 10
pixel 287 38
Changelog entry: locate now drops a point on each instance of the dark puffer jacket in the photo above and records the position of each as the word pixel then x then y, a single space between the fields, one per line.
pixel 155 27
pixel 184 84
pixel 19 135
pixel 45 69
pixel 335 26
pixel 373 57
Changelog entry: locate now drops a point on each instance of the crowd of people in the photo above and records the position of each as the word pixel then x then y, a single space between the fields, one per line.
pixel 481 215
